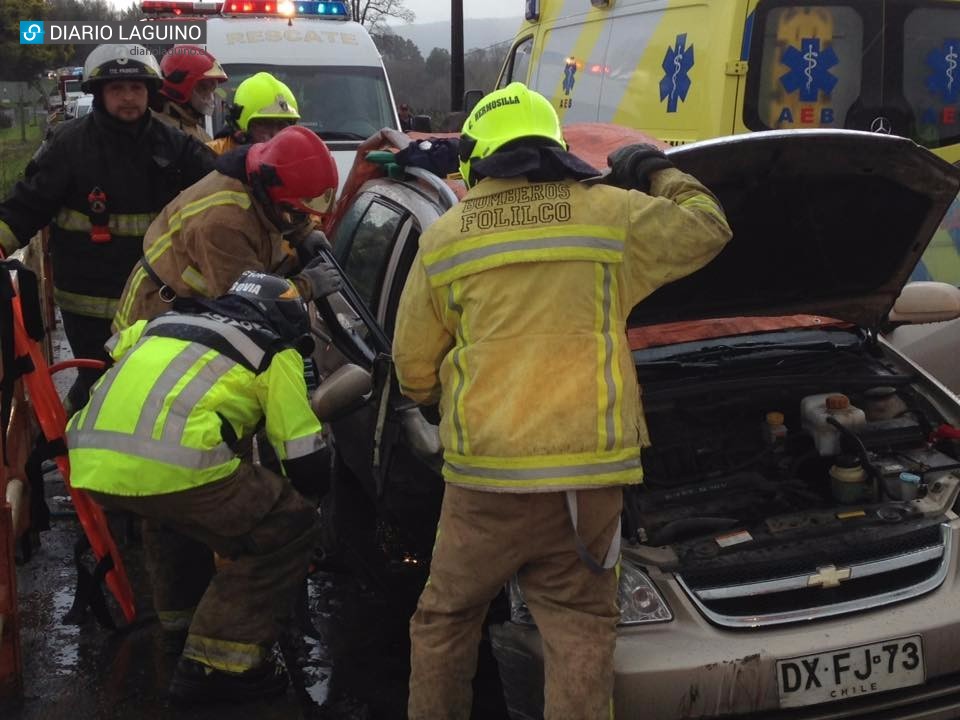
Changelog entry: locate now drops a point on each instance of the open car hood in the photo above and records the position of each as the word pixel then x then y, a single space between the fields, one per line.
pixel 825 222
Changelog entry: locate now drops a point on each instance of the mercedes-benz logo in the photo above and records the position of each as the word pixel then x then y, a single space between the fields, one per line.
pixel 881 125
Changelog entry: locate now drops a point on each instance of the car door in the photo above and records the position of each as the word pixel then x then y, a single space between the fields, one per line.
pixel 375 244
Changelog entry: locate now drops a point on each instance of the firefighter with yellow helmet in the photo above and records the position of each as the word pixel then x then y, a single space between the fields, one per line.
pixel 262 107
pixel 534 476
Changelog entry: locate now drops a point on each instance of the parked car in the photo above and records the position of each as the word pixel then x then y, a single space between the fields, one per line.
pixel 793 552
pixel 78 106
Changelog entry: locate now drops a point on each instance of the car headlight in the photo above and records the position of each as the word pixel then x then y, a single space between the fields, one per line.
pixel 639 600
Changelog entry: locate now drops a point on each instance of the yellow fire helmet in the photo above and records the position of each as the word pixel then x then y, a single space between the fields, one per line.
pixel 505 115
pixel 262 96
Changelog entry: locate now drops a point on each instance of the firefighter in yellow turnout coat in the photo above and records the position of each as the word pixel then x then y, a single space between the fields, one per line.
pixel 238 218
pixel 158 439
pixel 513 318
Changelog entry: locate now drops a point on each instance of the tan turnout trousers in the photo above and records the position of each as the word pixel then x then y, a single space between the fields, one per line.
pixel 483 539
pixel 267 531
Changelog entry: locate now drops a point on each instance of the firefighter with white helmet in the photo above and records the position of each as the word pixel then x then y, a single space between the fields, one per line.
pixel 99 181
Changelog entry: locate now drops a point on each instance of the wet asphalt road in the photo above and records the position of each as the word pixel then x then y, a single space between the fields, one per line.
pixel 357 670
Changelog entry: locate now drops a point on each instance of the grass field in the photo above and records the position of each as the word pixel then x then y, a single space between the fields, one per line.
pixel 15 153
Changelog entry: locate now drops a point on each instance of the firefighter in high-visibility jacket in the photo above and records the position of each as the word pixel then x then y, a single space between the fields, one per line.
pixel 191 76
pixel 262 106
pixel 158 439
pixel 238 218
pixel 513 318
pixel 99 181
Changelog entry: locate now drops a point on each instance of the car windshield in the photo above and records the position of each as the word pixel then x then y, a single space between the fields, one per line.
pixel 339 103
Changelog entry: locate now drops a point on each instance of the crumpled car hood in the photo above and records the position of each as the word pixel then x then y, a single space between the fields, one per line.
pixel 825 222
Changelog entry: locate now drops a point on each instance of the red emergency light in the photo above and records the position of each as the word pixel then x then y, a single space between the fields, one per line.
pixel 286 8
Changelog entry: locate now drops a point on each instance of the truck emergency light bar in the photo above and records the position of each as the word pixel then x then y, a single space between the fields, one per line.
pixel 283 8
pixel 286 8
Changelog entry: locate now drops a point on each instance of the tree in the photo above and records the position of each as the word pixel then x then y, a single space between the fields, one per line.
pixel 373 14
pixel 395 48
pixel 25 63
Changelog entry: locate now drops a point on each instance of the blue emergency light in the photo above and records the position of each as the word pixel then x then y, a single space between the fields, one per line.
pixel 312 7
pixel 286 8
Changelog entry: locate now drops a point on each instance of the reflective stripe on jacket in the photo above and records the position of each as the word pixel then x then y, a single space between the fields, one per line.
pixel 199 245
pixel 513 318
pixel 155 422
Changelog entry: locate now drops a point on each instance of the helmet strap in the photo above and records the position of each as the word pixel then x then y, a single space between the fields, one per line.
pixel 259 191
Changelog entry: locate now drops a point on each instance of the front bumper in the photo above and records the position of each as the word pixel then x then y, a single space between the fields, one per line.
pixel 689 669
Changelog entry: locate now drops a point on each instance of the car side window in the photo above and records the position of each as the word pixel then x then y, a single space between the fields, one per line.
pixel 365 258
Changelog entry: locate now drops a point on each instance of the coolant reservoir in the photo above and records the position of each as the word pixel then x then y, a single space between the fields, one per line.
pixel 816 409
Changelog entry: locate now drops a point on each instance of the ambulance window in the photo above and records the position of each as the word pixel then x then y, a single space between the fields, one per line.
pixel 810 68
pixel 369 250
pixel 339 103
pixel 931 73
pixel 518 63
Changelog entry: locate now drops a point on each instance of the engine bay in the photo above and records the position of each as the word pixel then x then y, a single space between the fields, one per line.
pixel 776 453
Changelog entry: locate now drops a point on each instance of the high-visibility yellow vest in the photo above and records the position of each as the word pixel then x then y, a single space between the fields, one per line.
pixel 162 419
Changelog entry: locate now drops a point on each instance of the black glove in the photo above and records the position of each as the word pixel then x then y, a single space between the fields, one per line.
pixel 322 278
pixel 632 165
pixel 310 246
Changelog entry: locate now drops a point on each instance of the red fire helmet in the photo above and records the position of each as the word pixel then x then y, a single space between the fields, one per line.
pixel 183 66
pixel 296 169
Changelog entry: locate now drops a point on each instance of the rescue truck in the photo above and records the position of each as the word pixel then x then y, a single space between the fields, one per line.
pixel 687 70
pixel 329 62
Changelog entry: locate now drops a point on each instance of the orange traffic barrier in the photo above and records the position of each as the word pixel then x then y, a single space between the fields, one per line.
pixel 53 421
pixel 11 670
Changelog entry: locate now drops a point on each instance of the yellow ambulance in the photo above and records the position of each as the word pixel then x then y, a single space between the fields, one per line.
pixel 686 70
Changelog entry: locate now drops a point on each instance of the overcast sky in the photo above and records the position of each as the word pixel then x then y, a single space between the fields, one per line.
pixel 434 10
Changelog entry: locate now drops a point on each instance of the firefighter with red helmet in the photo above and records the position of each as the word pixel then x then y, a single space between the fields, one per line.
pixel 243 216
pixel 160 439
pixel 191 76
pixel 98 182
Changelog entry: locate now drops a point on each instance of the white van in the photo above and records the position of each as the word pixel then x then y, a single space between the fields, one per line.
pixel 329 63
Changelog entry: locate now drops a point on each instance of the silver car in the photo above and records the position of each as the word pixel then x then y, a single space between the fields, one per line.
pixel 793 552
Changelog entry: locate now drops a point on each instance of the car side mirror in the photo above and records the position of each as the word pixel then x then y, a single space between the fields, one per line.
pixel 347 388
pixel 421 123
pixel 926 302
pixel 470 99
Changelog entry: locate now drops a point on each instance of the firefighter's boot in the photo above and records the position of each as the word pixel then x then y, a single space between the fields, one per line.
pixel 194 682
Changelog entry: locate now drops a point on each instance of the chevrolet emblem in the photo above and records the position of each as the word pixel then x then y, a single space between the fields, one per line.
pixel 828 577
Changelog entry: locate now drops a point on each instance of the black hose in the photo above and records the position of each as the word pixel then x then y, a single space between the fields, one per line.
pixel 861 452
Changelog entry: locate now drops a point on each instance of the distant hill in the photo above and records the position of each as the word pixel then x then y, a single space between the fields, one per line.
pixel 477 33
